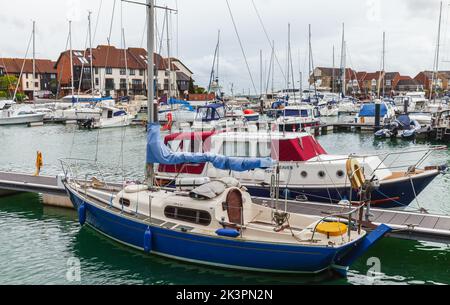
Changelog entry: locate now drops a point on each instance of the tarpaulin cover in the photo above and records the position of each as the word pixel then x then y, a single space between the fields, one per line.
pixel 368 110
pixel 158 152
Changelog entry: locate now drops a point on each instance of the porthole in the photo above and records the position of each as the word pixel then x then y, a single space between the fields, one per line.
pixel 321 174
pixel 340 173
pixel 304 174
pixel 125 202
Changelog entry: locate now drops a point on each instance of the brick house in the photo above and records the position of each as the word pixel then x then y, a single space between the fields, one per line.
pixel 44 81
pixel 441 80
pixel 407 84
pixel 110 72
pixel 325 78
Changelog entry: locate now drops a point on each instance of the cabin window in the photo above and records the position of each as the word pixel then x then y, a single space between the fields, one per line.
pixel 321 174
pixel 304 174
pixel 188 215
pixel 340 173
pixel 124 202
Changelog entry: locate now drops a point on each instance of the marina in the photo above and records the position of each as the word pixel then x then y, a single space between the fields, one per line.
pixel 116 151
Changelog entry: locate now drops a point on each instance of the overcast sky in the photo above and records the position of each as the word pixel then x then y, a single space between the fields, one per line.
pixel 411 32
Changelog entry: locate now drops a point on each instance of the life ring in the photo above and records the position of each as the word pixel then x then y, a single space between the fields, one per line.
pixel 355 173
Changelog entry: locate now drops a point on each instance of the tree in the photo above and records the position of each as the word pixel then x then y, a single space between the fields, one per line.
pixel 191 86
pixel 8 83
pixel 200 90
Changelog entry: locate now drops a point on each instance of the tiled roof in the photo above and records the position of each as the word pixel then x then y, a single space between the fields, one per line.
pixel 14 65
pixel 110 56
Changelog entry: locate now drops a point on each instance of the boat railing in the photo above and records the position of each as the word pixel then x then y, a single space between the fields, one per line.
pixel 342 215
pixel 70 167
pixel 384 156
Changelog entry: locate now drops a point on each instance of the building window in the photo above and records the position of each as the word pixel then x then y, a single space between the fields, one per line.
pixel 109 70
pixel 141 72
pixel 123 71
pixel 87 70
pixel 52 76
pixel 36 84
pixel 27 85
pixel 96 70
pixel 188 215
pixel 132 72
pixel 109 84
pixel 123 83
pixel 97 82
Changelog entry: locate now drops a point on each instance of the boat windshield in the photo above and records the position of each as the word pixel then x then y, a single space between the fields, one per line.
pixel 304 113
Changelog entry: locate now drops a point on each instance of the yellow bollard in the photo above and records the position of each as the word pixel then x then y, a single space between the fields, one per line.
pixel 39 163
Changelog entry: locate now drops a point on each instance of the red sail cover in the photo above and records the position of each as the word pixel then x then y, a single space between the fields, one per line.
pixel 299 149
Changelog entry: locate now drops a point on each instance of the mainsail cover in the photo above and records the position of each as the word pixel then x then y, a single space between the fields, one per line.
pixel 158 152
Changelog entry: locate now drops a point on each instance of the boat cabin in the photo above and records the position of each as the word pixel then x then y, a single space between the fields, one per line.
pixel 211 112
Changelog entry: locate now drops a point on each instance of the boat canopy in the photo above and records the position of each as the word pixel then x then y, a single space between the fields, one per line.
pixel 368 110
pixel 404 121
pixel 211 112
pixel 158 152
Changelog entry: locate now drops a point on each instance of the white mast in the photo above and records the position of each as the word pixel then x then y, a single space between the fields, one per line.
pixel 436 64
pixel 71 59
pixel 91 59
pixel 333 75
pixel 343 55
pixel 34 59
pixel 150 79
pixel 169 61
pixel 126 62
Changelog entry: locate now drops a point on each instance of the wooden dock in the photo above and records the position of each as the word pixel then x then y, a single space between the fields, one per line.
pixel 406 225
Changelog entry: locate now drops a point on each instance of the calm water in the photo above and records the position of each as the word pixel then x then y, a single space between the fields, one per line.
pixel 38 243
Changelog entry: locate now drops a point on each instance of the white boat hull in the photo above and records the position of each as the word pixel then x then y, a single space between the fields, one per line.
pixel 21 120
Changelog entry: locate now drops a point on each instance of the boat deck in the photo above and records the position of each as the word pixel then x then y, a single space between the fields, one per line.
pixel 406 224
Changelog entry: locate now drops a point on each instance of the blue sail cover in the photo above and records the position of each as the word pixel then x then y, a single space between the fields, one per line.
pixel 173 101
pixel 158 152
pixel 368 110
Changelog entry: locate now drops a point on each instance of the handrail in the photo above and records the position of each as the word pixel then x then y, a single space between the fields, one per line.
pixel 335 215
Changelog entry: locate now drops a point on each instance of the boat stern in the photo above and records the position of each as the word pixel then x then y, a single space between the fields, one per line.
pixel 345 260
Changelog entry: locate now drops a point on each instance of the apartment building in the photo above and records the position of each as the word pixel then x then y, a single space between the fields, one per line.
pixel 42 84
pixel 119 72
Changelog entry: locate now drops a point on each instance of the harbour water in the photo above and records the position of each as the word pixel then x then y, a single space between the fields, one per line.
pixel 40 244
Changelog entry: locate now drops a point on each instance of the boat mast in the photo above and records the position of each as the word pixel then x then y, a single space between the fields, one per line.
pixel 381 76
pixel 217 67
pixel 436 64
pixel 333 74
pixel 91 59
pixel 34 59
pixel 343 55
pixel 288 70
pixel 169 61
pixel 309 62
pixel 71 59
pixel 152 118
pixel 124 46
pixel 261 73
pixel 384 63
pixel 127 87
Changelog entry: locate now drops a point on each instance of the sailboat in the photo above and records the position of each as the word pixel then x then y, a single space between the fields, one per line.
pixel 217 223
pixel 13 114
